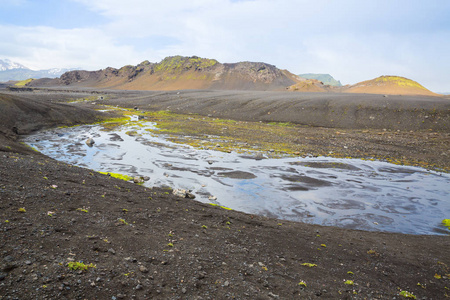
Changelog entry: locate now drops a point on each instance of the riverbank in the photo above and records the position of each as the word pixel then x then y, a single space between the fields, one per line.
pixel 147 243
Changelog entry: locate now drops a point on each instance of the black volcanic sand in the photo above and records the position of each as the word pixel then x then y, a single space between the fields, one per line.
pixel 146 243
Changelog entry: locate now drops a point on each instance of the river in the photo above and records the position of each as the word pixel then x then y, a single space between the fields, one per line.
pixel 349 193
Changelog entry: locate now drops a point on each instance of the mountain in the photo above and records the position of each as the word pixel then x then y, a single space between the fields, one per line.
pixel 325 78
pixel 180 72
pixel 6 65
pixel 14 71
pixel 390 85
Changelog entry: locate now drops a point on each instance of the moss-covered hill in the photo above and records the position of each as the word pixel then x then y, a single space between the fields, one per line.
pixel 390 85
pixel 180 72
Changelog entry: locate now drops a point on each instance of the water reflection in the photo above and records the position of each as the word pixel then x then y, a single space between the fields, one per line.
pixel 339 192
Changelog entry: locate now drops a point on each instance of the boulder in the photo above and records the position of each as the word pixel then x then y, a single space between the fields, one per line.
pixel 90 142
pixel 183 193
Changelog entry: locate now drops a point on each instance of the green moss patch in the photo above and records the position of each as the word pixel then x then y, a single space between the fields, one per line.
pixel 118 176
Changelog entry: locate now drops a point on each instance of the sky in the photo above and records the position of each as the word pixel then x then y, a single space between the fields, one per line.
pixel 353 40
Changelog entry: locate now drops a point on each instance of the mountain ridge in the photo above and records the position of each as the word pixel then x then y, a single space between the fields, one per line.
pixel 181 72
pixel 10 70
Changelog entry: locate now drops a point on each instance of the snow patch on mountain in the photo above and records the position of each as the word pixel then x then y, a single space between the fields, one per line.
pixel 6 64
pixel 10 70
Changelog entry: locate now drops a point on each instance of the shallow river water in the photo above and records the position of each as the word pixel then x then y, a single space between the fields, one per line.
pixel 350 193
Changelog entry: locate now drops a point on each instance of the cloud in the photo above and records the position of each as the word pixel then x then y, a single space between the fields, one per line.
pixel 45 47
pixel 353 40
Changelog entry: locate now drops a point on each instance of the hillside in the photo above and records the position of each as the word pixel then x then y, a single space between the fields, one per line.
pixel 309 85
pixel 391 85
pixel 195 73
pixel 324 78
pixel 179 72
pixel 72 233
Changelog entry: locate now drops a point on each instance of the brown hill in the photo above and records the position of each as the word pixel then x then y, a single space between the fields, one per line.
pixel 392 85
pixel 309 85
pixel 178 72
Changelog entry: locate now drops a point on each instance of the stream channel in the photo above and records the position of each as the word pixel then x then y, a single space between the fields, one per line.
pixel 349 193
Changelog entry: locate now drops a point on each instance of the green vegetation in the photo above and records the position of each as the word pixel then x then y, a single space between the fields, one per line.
pixel 22 210
pixel 349 282
pixel 79 266
pixel 400 81
pixel 84 99
pixel 407 294
pixel 123 221
pixel 213 204
pixel 177 64
pixel 118 176
pixel 446 223
pixel 24 82
pixel 229 134
pixel 309 265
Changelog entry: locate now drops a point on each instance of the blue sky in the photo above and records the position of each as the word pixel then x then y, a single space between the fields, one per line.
pixel 352 40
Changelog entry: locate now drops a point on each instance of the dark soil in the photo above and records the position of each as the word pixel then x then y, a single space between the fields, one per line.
pixel 148 244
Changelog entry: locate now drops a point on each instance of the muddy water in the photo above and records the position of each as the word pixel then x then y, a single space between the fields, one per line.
pixel 355 194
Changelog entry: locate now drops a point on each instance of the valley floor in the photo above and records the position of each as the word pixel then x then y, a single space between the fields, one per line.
pixel 141 243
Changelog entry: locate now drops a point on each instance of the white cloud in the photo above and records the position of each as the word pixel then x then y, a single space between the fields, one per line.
pixel 353 40
pixel 46 47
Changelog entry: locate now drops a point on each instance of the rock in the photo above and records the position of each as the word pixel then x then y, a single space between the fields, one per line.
pixel 139 287
pixel 90 142
pixel 212 198
pixel 138 179
pixel 183 193
pixel 273 295
pixel 112 251
pixel 201 275
pixel 115 137
pixel 226 283
pixel 143 269
pixel 259 156
pixel 8 258
pixel 146 178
